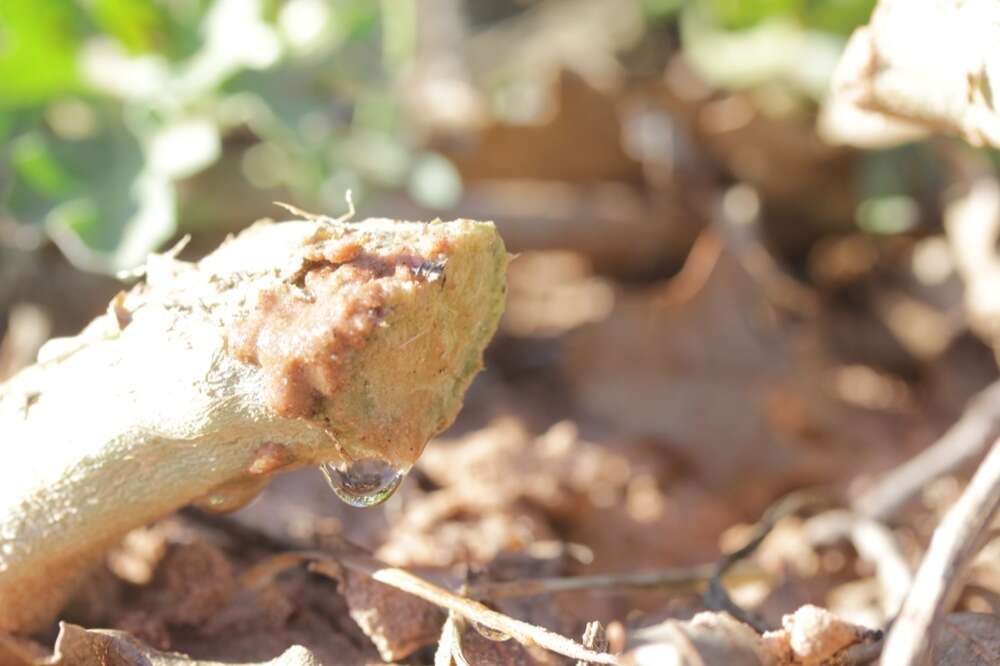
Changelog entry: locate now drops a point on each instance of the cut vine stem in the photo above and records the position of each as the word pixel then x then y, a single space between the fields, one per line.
pixel 293 344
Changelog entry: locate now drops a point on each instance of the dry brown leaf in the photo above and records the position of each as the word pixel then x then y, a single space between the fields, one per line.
pixel 77 646
pixel 706 365
pixel 396 622
pixel 197 582
pixel 482 651
pixel 708 638
pixel 966 639
pixel 811 637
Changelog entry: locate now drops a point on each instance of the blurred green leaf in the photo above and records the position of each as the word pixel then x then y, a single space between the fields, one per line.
pixel 837 16
pixel 399 32
pixel 738 14
pixel 740 59
pixel 38 45
pixel 97 197
pixel 889 214
pixel 35 164
pixel 137 24
pixel 661 9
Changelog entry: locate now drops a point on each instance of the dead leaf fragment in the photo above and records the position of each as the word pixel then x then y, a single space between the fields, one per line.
pixel 811 636
pixel 198 582
pixel 966 639
pixel 708 638
pixel 77 646
pixel 396 622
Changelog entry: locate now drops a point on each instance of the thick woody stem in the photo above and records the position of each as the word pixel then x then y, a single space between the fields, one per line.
pixel 293 344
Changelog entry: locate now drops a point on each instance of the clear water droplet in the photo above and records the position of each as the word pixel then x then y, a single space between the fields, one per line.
pixel 364 482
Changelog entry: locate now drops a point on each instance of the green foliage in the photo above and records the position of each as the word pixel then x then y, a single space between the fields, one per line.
pixel 108 107
pixel 837 16
pixel 738 14
pixel 138 24
pixel 788 46
pixel 833 16
pixel 111 109
pixel 38 47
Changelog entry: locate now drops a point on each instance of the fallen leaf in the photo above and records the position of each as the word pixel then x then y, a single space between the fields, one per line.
pixel 396 622
pixel 966 639
pixel 708 638
pixel 811 636
pixel 77 646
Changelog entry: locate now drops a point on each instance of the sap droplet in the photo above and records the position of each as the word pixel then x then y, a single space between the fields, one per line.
pixel 364 482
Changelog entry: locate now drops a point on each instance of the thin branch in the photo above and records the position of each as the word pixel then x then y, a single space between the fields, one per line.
pixel 347 555
pixel 963 442
pixel 358 560
pixel 875 543
pixel 939 578
pixel 716 596
pixel 685 579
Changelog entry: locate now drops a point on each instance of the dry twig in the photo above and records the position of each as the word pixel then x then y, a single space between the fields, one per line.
pixel 680 580
pixel 716 596
pixel 875 543
pixel 347 555
pixel 939 578
pixel 962 443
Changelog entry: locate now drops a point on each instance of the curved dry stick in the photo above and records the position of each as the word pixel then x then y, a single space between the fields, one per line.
pixel 939 578
pixel 293 344
pixel 525 633
pixel 343 554
pixel 716 597
pixel 962 442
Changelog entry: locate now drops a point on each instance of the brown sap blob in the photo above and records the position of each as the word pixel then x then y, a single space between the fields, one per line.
pixel 303 334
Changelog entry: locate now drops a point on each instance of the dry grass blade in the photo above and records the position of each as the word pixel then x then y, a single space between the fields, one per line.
pixel 450 645
pixel 686 579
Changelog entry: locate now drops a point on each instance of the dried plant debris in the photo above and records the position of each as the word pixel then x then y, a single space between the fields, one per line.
pixel 811 637
pixel 397 623
pixel 708 638
pixel 969 639
pixel 77 646
pixel 503 488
